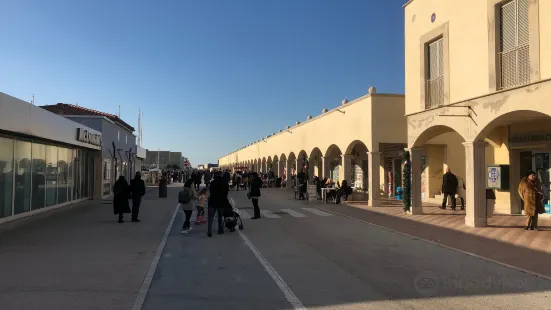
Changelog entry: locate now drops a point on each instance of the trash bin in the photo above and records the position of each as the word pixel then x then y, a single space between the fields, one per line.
pixel 278 182
pixel 399 193
pixel 490 202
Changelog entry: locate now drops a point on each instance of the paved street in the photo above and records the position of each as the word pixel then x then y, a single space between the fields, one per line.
pixel 79 257
pixel 297 256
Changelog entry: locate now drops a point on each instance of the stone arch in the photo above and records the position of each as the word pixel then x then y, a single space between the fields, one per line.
pixel 302 160
pixel 507 119
pixel 315 164
pixel 358 160
pixel 333 158
pixel 355 146
pixel 432 132
pixel 276 165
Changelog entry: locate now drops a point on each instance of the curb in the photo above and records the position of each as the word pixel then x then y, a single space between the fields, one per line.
pixel 526 271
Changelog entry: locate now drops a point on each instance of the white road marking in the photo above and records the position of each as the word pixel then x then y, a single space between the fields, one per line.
pixel 140 299
pixel 293 213
pixel 269 214
pixel 245 215
pixel 291 297
pixel 317 212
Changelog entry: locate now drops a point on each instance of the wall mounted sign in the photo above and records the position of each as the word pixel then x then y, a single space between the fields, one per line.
pixel 433 17
pixel 538 137
pixel 87 137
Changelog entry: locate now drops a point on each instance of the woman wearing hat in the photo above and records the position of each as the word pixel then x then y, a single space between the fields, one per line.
pixel 529 190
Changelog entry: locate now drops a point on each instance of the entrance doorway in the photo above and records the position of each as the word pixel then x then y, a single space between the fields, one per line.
pixel 537 161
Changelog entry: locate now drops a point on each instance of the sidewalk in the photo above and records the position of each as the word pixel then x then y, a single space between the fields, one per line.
pixel 504 240
pixel 79 257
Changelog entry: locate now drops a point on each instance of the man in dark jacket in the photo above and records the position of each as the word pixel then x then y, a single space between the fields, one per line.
pixel 218 200
pixel 137 188
pixel 227 176
pixel 449 188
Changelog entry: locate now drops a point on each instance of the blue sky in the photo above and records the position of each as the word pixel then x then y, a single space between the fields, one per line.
pixel 209 75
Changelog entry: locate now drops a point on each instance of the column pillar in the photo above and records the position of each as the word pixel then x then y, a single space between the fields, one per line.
pixel 374 181
pixel 476 188
pixel 288 177
pixel 416 202
pixel 346 166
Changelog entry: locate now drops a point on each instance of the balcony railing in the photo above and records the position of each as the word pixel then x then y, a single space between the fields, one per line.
pixel 435 93
pixel 515 67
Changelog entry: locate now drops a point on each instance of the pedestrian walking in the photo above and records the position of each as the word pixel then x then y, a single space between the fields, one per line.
pixel 449 188
pixel 186 198
pixel 198 178
pixel 462 192
pixel 121 191
pixel 254 194
pixel 529 190
pixel 218 200
pixel 206 178
pixel 137 189
pixel 200 206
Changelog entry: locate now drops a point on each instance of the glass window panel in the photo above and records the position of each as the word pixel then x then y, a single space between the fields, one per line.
pixel 51 175
pixel 6 177
pixel 85 174
pixel 23 172
pixel 82 173
pixel 70 180
pixel 39 176
pixel 63 172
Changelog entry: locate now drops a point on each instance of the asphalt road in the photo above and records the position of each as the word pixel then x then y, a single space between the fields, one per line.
pixel 296 258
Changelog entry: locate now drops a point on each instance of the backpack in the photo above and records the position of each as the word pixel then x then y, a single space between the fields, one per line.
pixel 184 196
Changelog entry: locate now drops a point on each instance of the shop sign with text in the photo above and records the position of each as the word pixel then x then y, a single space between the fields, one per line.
pixel 85 136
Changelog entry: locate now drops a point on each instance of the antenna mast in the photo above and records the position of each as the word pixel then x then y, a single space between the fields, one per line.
pixel 33 100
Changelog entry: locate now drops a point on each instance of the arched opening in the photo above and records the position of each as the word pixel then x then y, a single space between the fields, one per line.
pixel 439 148
pixel 275 166
pixel 334 163
pixel 269 164
pixel 521 141
pixel 315 163
pixel 283 167
pixel 357 176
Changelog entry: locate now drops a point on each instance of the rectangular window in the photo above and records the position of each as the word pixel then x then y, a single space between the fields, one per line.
pixel 51 175
pixel 126 138
pixel 435 74
pixel 39 176
pixel 22 195
pixel 6 177
pixel 63 173
pixel 514 55
pixel 118 135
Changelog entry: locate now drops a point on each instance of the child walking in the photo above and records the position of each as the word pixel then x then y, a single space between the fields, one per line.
pixel 201 203
pixel 186 197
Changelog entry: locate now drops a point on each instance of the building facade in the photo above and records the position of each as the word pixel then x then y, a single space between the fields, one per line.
pixel 118 150
pixel 162 159
pixel 360 142
pixel 478 83
pixel 46 161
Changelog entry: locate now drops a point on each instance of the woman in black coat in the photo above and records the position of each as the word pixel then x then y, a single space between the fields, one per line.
pixel 256 185
pixel 121 205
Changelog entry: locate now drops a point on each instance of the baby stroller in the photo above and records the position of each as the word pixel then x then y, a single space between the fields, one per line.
pixel 232 216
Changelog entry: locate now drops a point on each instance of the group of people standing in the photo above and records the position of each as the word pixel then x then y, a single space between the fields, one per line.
pixel 214 196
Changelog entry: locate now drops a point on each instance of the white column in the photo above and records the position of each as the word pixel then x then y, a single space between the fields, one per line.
pixel 374 181
pixel 346 166
pixel 475 184
pixel 416 203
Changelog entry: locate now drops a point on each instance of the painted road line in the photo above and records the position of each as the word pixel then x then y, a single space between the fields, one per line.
pixel 293 213
pixel 291 297
pixel 245 215
pixel 317 212
pixel 140 299
pixel 269 215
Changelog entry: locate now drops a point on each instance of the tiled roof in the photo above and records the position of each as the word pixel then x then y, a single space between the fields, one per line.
pixel 71 109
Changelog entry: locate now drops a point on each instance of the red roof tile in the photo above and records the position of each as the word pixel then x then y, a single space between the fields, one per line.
pixel 71 109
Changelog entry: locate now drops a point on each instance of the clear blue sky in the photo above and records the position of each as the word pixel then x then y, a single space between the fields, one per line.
pixel 209 75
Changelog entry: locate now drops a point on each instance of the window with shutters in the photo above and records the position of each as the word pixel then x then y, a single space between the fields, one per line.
pixel 435 74
pixel 514 55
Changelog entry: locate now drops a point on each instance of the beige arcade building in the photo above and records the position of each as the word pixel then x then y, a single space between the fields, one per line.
pixel 478 98
pixel 354 141
pixel 478 101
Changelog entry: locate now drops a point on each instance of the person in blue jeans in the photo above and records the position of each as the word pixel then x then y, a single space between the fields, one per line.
pixel 218 200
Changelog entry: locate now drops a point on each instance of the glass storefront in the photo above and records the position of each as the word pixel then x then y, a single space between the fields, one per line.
pixel 35 175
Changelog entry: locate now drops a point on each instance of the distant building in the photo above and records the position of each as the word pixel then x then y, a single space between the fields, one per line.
pixel 162 159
